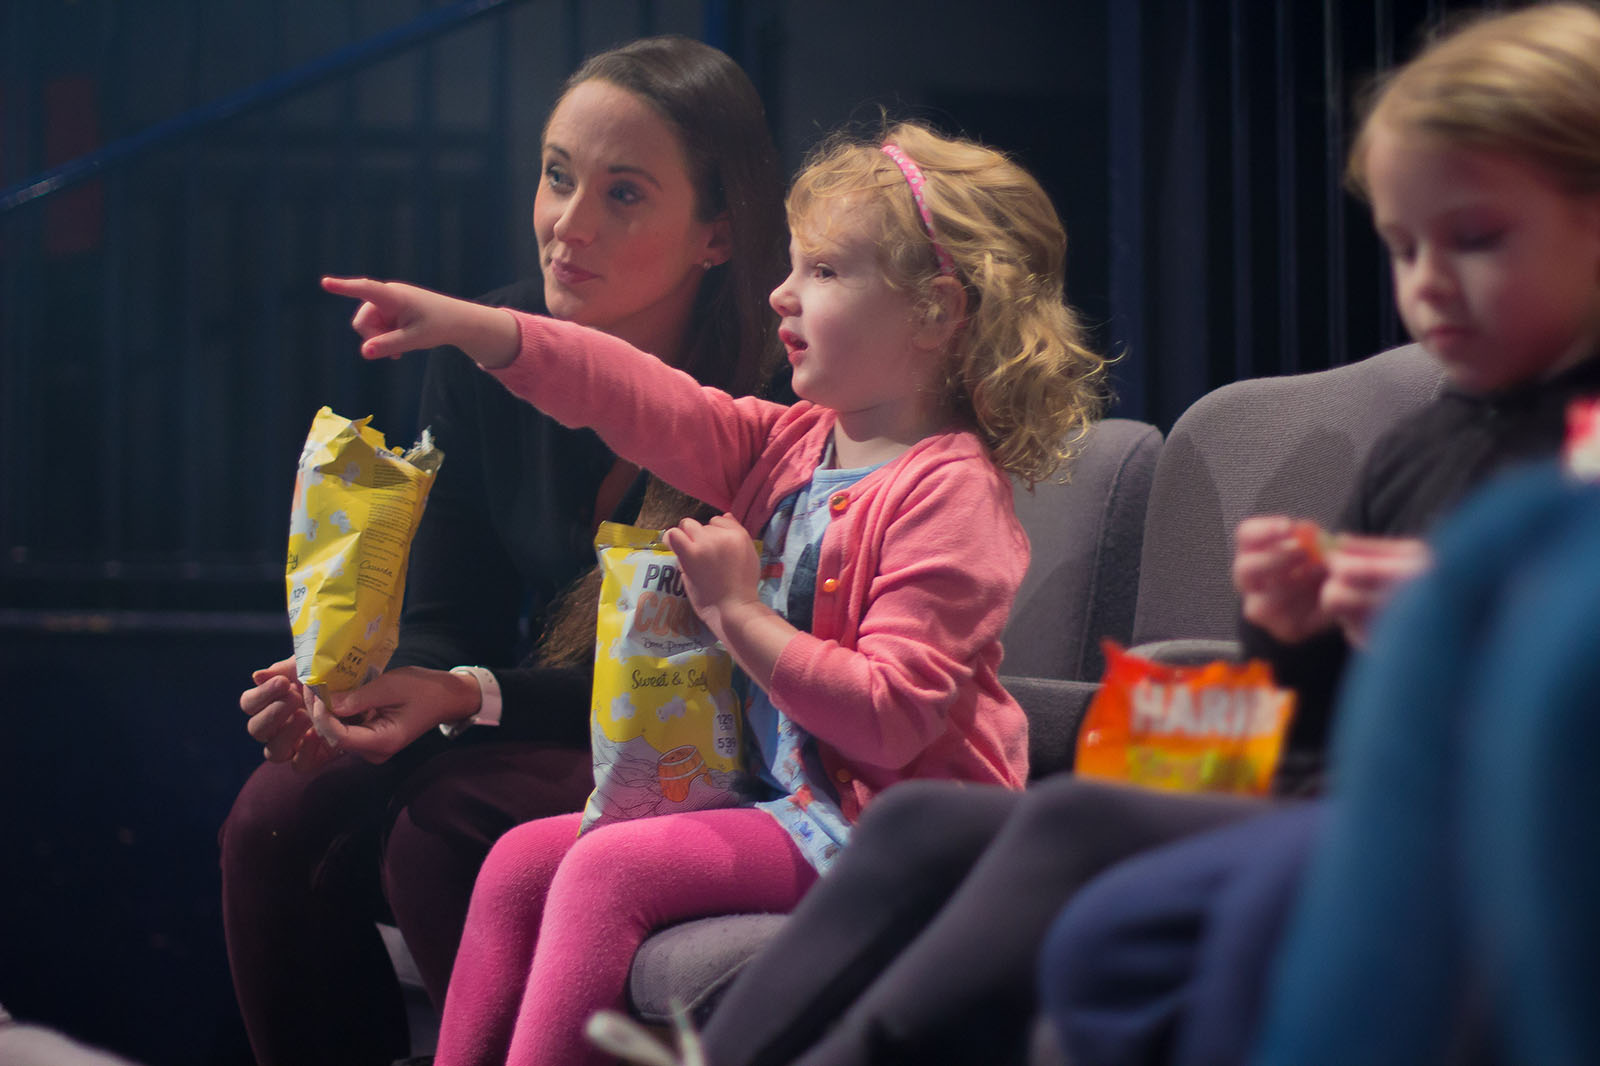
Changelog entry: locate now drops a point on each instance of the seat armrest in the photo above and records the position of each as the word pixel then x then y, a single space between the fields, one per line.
pixel 693 962
pixel 1055 709
pixel 1189 652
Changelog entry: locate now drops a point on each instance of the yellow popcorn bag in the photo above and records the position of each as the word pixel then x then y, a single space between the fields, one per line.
pixel 665 722
pixel 1216 727
pixel 356 507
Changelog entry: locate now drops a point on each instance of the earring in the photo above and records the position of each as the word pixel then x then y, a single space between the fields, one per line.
pixel 706 264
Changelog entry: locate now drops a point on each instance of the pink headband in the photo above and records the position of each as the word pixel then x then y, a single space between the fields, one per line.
pixel 914 178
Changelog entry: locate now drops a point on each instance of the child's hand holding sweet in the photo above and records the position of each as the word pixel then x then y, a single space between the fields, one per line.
pixel 1279 572
pixel 1362 574
pixel 1295 580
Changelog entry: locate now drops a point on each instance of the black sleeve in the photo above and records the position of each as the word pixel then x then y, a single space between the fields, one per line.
pixel 463 590
pixel 545 704
pixel 1313 668
pixel 551 704
pixel 468 589
pixel 465 595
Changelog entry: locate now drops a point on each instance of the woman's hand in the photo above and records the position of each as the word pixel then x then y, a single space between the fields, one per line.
pixel 1279 577
pixel 1363 574
pixel 393 709
pixel 395 318
pixel 280 720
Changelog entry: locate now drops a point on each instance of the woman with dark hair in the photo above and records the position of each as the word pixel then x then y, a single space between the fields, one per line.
pixel 659 220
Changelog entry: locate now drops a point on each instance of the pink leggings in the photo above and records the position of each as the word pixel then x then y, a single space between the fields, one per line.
pixel 555 920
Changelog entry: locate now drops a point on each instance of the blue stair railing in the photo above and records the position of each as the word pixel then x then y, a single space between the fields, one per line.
pixel 341 63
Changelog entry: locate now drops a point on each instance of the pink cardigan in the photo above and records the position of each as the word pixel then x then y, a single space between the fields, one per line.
pixel 915 580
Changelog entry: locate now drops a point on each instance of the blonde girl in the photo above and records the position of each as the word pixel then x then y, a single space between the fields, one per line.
pixel 933 356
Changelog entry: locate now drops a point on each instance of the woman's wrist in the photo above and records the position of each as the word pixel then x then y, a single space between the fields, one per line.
pixel 479 702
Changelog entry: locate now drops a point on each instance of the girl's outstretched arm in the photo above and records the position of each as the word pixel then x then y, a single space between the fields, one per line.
pixel 395 318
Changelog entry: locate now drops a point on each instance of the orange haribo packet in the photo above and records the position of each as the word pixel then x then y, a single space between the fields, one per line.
pixel 1217 727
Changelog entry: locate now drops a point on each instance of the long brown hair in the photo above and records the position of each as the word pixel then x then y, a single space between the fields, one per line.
pixel 717 114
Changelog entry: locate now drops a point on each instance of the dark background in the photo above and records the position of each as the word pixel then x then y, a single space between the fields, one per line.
pixel 163 342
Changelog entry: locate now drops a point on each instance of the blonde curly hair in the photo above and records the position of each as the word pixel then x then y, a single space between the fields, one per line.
pixel 1524 83
pixel 1021 372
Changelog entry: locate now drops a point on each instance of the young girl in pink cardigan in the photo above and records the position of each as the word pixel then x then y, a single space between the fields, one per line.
pixel 934 355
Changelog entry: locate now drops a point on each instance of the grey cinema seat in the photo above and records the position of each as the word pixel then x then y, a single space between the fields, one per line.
pixel 1086 537
pixel 1292 444
pixel 1278 445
